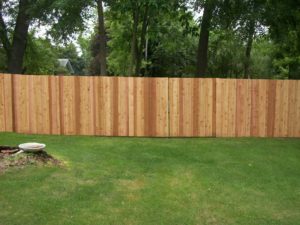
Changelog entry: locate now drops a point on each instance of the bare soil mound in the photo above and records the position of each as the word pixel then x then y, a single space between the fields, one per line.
pixel 9 158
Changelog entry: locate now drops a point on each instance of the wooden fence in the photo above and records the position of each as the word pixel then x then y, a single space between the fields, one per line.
pixel 158 107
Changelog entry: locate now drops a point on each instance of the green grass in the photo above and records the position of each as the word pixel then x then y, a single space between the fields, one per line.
pixel 155 181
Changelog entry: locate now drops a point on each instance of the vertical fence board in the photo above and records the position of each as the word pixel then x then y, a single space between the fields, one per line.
pixel 8 102
pixel 39 108
pixel 231 107
pixel 201 104
pixel 262 108
pixel 220 92
pixel 187 107
pixel 106 113
pixel 296 128
pixel 208 84
pixel 54 92
pixel 292 109
pixel 271 102
pixel 98 105
pixel 197 91
pixel 254 108
pixel 222 107
pixel 131 106
pixel 68 106
pixel 174 106
pixel 243 108
pixel 162 116
pixel 21 114
pixel 139 119
pixel 123 107
pixel 2 104
pixel 281 109
pixel 86 106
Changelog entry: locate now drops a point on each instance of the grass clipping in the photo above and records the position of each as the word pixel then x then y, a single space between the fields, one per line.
pixel 22 160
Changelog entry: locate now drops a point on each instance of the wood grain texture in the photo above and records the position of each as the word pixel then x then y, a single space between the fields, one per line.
pixel 68 106
pixel 243 108
pixel 259 108
pixel 161 108
pixel 271 101
pixel 154 107
pixel 123 106
pixel 281 109
pixel 54 104
pixel 21 104
pixel 226 108
pixel 86 106
pixel 2 105
pixel 174 106
pixel 191 107
pixel 8 102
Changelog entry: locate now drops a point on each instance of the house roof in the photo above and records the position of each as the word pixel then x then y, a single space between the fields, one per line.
pixel 67 64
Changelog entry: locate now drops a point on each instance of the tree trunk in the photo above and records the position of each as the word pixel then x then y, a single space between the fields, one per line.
pixel 17 52
pixel 3 34
pixel 202 58
pixel 102 39
pixel 134 44
pixel 143 42
pixel 251 31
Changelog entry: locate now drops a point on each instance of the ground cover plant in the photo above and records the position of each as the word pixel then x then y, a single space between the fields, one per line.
pixel 154 181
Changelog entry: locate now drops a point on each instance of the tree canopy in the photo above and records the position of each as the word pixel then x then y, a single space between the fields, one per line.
pixel 176 38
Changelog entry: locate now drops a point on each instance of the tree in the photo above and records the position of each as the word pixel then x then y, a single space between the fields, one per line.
pixel 22 13
pixel 84 43
pixel 202 54
pixel 142 13
pixel 250 23
pixel 169 56
pixel 72 20
pixel 58 14
pixel 225 53
pixel 283 19
pixel 102 38
pixel 15 51
pixel 40 56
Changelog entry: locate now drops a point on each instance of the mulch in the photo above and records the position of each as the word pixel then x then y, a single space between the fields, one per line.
pixel 9 160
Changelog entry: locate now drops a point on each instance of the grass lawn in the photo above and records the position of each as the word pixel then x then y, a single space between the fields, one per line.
pixel 155 181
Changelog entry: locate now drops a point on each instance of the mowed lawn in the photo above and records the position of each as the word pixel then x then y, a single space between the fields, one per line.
pixel 155 181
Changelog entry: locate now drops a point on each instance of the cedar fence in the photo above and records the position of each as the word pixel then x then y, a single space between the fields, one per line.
pixel 157 107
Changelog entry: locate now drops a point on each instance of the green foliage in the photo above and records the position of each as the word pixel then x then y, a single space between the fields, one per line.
pixel 171 36
pixel 226 54
pixel 40 57
pixel 84 43
pixel 68 18
pixel 166 55
pixel 59 70
pixel 283 18
pixel 172 44
pixel 263 57
pixel 119 44
pixel 3 61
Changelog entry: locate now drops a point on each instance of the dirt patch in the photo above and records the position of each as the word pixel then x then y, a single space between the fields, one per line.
pixel 9 160
pixel 131 185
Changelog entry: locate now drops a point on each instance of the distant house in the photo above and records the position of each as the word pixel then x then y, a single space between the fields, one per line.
pixel 66 64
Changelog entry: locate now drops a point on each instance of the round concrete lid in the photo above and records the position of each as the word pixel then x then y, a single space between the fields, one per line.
pixel 32 147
